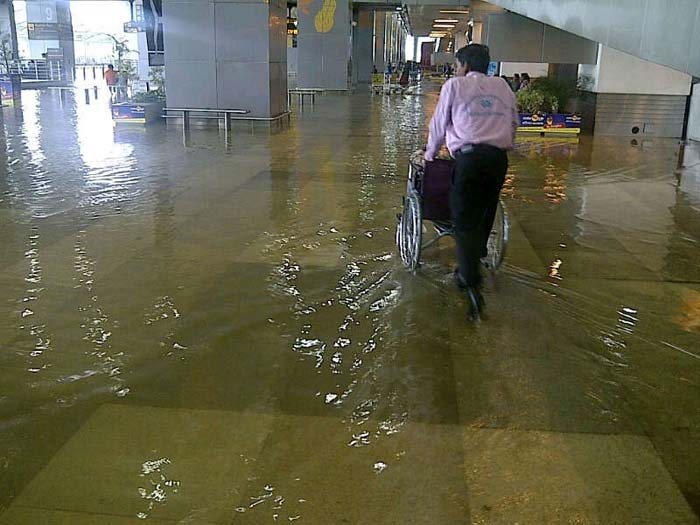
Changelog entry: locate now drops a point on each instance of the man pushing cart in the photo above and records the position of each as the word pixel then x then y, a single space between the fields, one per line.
pixel 476 117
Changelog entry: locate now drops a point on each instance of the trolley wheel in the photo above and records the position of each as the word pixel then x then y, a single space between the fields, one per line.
pixel 498 240
pixel 409 231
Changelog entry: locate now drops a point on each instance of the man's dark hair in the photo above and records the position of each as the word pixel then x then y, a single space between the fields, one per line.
pixel 110 66
pixel 476 57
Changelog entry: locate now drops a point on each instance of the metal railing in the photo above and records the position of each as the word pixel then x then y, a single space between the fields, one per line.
pixel 38 69
pixel 92 72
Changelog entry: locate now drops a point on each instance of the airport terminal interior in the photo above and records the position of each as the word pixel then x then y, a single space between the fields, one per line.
pixel 223 300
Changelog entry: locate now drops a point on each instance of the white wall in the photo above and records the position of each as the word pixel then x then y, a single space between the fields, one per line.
pixel 534 69
pixel 694 118
pixel 618 72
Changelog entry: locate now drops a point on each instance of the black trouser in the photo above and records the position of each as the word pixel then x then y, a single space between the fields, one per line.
pixel 476 184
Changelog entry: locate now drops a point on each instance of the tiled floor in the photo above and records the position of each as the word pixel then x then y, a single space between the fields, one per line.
pixel 198 466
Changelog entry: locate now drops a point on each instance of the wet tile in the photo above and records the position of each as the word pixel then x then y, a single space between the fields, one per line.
pixel 546 477
pixel 520 252
pixel 167 464
pixel 205 376
pixel 537 394
pixel 31 516
pixel 373 351
pixel 321 469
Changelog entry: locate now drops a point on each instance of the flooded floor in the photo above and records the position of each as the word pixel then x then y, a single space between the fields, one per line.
pixel 219 333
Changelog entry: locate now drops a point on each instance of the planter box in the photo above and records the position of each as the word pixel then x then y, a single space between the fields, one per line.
pixel 10 88
pixel 550 123
pixel 134 113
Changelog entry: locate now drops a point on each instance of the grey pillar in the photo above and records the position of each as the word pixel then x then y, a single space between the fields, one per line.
pixel 397 39
pixel 323 45
pixel 389 38
pixel 13 29
pixel 362 47
pixel 392 38
pixel 379 42
pixel 225 54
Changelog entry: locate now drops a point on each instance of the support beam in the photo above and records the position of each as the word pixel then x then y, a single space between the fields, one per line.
pixel 362 51
pixel 379 39
pixel 514 38
pixel 660 31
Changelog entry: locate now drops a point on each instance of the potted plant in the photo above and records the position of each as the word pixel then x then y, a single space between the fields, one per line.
pixel 539 107
pixel 10 83
pixel 145 106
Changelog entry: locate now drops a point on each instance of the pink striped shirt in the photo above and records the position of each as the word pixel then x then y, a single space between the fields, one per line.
pixel 474 109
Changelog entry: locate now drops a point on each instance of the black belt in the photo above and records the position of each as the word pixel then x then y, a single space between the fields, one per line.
pixel 469 148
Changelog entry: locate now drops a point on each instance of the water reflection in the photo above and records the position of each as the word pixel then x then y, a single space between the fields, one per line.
pixel 110 166
pixel 31 127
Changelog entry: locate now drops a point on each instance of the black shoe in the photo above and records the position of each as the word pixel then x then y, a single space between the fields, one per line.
pixel 476 303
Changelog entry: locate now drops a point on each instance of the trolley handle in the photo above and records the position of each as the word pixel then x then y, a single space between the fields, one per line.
pixel 417 159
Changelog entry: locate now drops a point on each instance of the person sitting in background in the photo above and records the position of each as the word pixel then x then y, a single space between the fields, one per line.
pixel 525 82
pixel 515 85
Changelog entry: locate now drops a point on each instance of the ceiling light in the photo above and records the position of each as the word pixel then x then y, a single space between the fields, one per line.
pixel 446 21
pixel 444 26
pixel 454 11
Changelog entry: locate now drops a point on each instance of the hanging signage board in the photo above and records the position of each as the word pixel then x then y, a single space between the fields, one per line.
pixel 48 31
pixel 135 26
pixel 42 31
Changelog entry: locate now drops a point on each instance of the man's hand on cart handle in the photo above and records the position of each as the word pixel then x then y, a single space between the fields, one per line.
pixel 418 157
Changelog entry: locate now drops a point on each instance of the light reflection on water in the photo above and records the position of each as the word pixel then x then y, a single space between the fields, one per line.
pixel 263 280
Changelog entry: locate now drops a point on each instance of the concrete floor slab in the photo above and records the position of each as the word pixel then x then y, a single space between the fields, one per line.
pixel 29 516
pixel 156 463
pixel 324 470
pixel 548 477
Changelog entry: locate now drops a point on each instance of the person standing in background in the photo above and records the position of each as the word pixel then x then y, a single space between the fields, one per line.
pixel 112 79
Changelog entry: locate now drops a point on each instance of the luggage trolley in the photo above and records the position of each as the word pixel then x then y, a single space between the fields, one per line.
pixel 427 199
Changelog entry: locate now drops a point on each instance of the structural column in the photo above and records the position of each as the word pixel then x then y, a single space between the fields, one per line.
pixel 394 39
pixel 388 38
pixel 323 45
pixel 379 42
pixel 225 54
pixel 362 47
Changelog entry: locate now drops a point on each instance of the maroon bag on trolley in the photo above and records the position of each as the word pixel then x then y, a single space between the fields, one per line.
pixel 435 190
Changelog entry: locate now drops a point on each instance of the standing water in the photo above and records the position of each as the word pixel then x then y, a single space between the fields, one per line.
pixel 218 334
